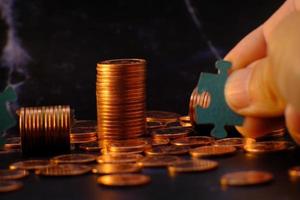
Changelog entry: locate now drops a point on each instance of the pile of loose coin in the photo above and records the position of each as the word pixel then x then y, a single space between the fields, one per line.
pixel 120 92
pixel 121 162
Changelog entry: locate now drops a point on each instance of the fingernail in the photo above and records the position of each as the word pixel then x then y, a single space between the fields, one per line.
pixel 237 88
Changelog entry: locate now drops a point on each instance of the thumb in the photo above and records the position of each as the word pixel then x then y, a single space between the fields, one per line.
pixel 252 91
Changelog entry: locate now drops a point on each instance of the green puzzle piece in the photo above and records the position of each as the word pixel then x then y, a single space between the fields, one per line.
pixel 6 120
pixel 218 112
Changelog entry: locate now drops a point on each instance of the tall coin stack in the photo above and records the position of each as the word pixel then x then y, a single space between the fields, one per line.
pixel 45 130
pixel 120 92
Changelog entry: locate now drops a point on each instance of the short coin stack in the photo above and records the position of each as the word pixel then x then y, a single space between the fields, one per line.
pixel 120 91
pixel 45 130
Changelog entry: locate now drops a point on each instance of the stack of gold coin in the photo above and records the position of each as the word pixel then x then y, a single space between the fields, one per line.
pixel 45 130
pixel 83 135
pixel 120 91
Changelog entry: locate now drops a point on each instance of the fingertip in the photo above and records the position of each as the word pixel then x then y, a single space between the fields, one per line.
pixel 292 117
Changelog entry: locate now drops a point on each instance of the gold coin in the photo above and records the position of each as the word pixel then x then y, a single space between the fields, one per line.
pixel 157 141
pixel 161 116
pixel 158 161
pixel 197 165
pixel 193 141
pixel 294 172
pixel 127 145
pixel 171 133
pixel 166 150
pixel 74 158
pixel 9 186
pixel 245 178
pixel 64 170
pixel 91 146
pixel 12 143
pixel 267 147
pixel 235 142
pixel 115 158
pixel 110 168
pixel 30 164
pixel 8 174
pixel 212 151
pixel 155 125
pixel 123 180
pixel 185 121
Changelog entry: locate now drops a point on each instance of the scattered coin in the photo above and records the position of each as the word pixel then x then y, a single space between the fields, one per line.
pixel 117 159
pixel 198 165
pixel 74 158
pixel 64 170
pixel 166 150
pixel 212 151
pixel 9 174
pixel 158 161
pixel 185 121
pixel 155 125
pixel 9 186
pixel 193 141
pixel 30 164
pixel 133 145
pixel 91 146
pixel 123 180
pixel 235 142
pixel 171 133
pixel 83 135
pixel 267 147
pixel 157 141
pixel 245 178
pixel 175 124
pixel 12 143
pixel 109 168
pixel 161 116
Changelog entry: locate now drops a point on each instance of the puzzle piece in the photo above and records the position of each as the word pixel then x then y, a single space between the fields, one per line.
pixel 218 112
pixel 6 120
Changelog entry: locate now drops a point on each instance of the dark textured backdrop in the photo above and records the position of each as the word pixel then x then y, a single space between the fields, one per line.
pixel 65 39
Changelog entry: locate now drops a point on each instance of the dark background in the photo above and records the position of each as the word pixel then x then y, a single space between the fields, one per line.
pixel 65 39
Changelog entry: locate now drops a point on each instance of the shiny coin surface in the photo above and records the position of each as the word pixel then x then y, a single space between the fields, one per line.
pixel 267 147
pixel 30 164
pixel 158 161
pixel 197 165
pixel 92 147
pixel 128 145
pixel 294 172
pixel 166 150
pixel 115 158
pixel 161 116
pixel 64 170
pixel 9 186
pixel 193 141
pixel 109 168
pixel 123 180
pixel 171 133
pixel 10 174
pixel 212 151
pixel 12 143
pixel 185 121
pixel 154 125
pixel 245 178
pixel 235 142
pixel 173 124
pixel 157 141
pixel 74 158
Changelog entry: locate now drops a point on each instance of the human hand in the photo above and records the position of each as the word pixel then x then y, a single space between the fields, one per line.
pixel 264 84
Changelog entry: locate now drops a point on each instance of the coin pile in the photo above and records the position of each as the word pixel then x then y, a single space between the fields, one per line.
pixel 45 130
pixel 196 99
pixel 120 92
